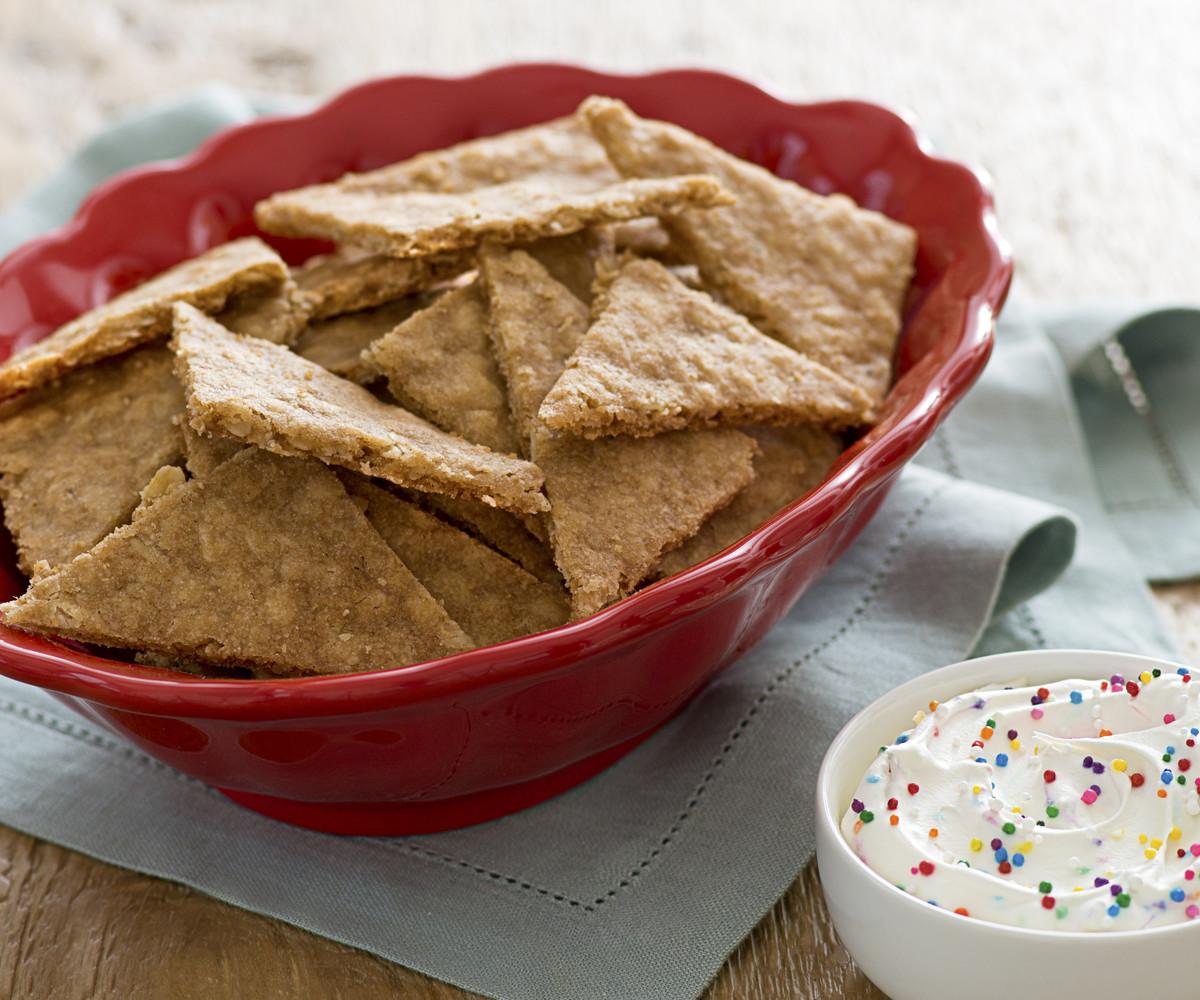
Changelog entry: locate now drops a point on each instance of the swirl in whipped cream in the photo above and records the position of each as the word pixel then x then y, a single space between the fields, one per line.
pixel 1072 806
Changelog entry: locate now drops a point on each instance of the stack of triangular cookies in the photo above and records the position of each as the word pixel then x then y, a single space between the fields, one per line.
pixel 538 371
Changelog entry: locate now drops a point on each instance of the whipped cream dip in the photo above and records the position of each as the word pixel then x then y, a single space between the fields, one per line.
pixel 1071 806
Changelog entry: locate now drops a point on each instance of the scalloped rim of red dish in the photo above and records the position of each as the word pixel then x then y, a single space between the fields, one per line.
pixel 890 444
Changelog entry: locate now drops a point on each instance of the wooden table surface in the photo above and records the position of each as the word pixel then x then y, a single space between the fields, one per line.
pixel 76 929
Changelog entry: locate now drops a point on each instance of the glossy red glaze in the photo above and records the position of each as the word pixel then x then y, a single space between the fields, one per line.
pixel 483 733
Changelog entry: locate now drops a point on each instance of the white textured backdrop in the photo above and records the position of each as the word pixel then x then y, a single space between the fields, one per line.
pixel 1086 112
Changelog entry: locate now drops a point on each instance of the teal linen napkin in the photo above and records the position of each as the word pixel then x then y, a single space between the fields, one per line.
pixel 640 882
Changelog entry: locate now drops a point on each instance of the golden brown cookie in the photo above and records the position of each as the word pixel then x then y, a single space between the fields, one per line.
pixel 642 238
pixel 618 504
pixel 498 529
pixel 491 597
pixel 573 260
pixel 438 363
pixel 201 452
pixel 789 463
pixel 275 314
pixel 615 504
pixel 75 453
pixel 559 154
pixel 819 273
pixel 337 344
pixel 265 563
pixel 349 280
pixel 416 223
pixel 263 394
pixel 534 328
pixel 144 313
pixel 661 356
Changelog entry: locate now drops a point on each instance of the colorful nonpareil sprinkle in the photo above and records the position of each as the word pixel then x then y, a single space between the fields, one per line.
pixel 1064 803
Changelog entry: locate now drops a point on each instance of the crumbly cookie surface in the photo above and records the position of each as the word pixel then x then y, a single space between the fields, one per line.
pixel 819 273
pixel 536 324
pixel 75 453
pixel 661 356
pixel 574 260
pixel 276 314
pixel 789 463
pixel 416 223
pixel 349 280
pixel 506 533
pixel 561 154
pixel 265 395
pixel 491 597
pixel 201 452
pixel 144 313
pixel 337 344
pixel 616 504
pixel 265 563
pixel 439 364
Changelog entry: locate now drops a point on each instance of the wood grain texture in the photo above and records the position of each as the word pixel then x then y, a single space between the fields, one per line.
pixel 76 929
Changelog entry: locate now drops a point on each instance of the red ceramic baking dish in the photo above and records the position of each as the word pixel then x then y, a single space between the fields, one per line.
pixel 483 733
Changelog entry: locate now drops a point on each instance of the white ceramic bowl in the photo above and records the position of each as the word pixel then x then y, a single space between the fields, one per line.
pixel 914 951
